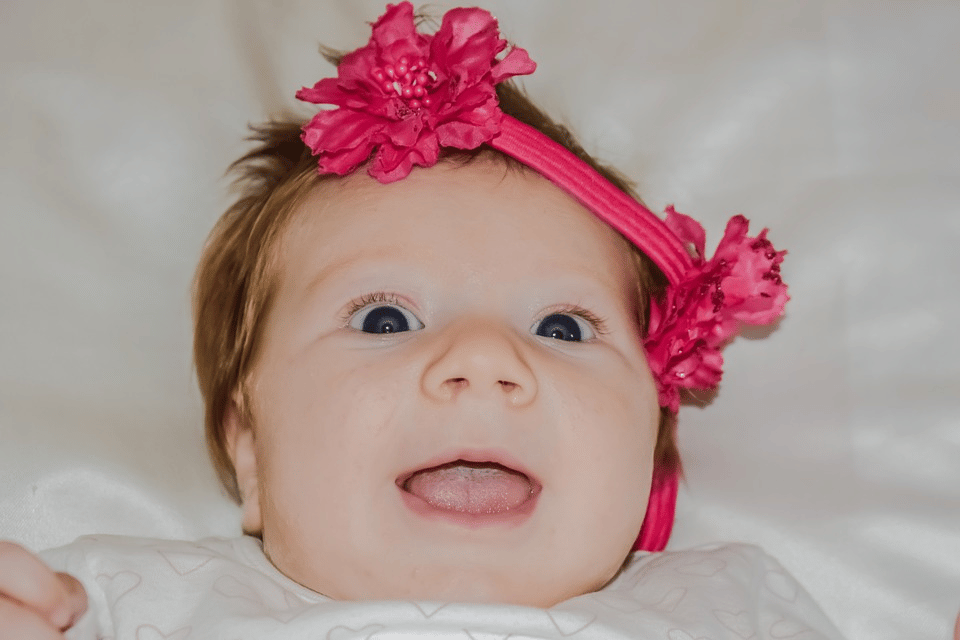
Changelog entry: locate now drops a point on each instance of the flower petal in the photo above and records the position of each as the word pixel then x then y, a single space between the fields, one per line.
pixel 344 161
pixel 335 129
pixel 687 229
pixel 395 34
pixel 466 44
pixel 465 135
pixel 354 74
pixel 516 63
pixel 326 91
pixel 392 163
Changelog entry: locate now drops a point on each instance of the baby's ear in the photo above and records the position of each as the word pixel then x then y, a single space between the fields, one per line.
pixel 241 446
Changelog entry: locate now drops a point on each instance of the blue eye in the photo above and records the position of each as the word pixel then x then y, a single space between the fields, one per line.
pixel 564 326
pixel 384 319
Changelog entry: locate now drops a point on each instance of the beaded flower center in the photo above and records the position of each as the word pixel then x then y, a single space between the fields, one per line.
pixel 408 80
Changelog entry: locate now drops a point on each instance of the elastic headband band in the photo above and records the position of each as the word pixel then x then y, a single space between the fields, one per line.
pixel 559 165
pixel 406 95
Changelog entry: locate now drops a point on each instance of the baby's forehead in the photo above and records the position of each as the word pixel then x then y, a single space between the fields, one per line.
pixel 451 176
pixel 466 195
pixel 461 189
pixel 477 213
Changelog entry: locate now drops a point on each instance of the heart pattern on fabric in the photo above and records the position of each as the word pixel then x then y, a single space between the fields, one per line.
pixel 670 601
pixel 150 632
pixel 680 634
pixel 784 629
pixel 341 632
pixel 185 563
pixel 118 585
pixel 704 567
pixel 739 623
pixel 484 635
pixel 230 587
pixel 781 585
pixel 294 607
pixel 429 609
pixel 569 624
pixel 620 603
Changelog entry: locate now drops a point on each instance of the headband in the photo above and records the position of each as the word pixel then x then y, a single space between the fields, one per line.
pixel 405 95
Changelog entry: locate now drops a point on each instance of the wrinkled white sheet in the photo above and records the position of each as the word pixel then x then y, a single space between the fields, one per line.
pixel 835 443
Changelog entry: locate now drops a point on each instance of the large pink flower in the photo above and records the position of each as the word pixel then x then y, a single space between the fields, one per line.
pixel 741 284
pixel 406 94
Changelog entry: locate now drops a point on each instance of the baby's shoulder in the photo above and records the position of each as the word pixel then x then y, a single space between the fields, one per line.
pixel 107 563
pixel 137 583
pixel 717 591
pixel 714 566
pixel 704 560
pixel 107 550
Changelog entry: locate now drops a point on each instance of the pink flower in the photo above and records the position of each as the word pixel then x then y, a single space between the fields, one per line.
pixel 406 94
pixel 741 284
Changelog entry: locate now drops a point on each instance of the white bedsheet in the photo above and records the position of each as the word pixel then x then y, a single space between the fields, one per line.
pixel 835 443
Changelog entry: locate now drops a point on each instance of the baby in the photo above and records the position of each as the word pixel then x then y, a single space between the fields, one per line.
pixel 441 376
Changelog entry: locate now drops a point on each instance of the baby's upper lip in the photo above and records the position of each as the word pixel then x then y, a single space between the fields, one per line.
pixel 476 456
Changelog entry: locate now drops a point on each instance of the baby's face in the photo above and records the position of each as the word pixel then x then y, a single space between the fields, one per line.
pixel 451 401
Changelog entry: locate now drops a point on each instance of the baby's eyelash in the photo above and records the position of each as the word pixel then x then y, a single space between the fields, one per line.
pixel 598 323
pixel 367 299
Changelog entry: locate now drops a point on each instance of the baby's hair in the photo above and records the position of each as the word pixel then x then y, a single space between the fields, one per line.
pixel 237 275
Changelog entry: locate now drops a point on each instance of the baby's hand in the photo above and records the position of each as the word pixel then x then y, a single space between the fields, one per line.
pixel 35 602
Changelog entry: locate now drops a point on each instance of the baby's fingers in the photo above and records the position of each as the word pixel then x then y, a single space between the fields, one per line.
pixel 21 623
pixel 27 583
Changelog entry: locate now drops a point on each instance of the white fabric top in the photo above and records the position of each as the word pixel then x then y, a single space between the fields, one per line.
pixel 147 589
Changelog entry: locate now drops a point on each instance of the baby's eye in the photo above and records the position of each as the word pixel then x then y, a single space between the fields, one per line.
pixel 385 318
pixel 564 326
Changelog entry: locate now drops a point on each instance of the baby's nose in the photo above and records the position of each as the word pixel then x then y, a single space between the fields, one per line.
pixel 482 359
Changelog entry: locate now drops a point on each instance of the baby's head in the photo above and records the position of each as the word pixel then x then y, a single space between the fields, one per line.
pixel 455 381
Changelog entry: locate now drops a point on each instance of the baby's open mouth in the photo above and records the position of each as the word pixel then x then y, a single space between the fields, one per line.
pixel 475 488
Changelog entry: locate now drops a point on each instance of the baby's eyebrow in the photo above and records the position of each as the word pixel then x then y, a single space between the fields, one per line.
pixel 346 262
pixel 583 281
pixel 324 274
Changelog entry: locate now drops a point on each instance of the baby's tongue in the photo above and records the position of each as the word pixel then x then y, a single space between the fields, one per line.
pixel 469 487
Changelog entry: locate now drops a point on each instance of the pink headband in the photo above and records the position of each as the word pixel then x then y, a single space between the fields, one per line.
pixel 405 95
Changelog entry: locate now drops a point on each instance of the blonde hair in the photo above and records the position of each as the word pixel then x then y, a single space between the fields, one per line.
pixel 236 278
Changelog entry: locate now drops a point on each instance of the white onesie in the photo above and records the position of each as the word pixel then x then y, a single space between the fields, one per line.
pixel 226 589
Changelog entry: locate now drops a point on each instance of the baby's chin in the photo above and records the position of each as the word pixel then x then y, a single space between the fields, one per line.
pixel 488 583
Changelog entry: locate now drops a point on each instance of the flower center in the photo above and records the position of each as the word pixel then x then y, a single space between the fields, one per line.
pixel 409 80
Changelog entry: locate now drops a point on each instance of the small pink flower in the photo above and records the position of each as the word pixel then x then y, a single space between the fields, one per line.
pixel 406 94
pixel 741 284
